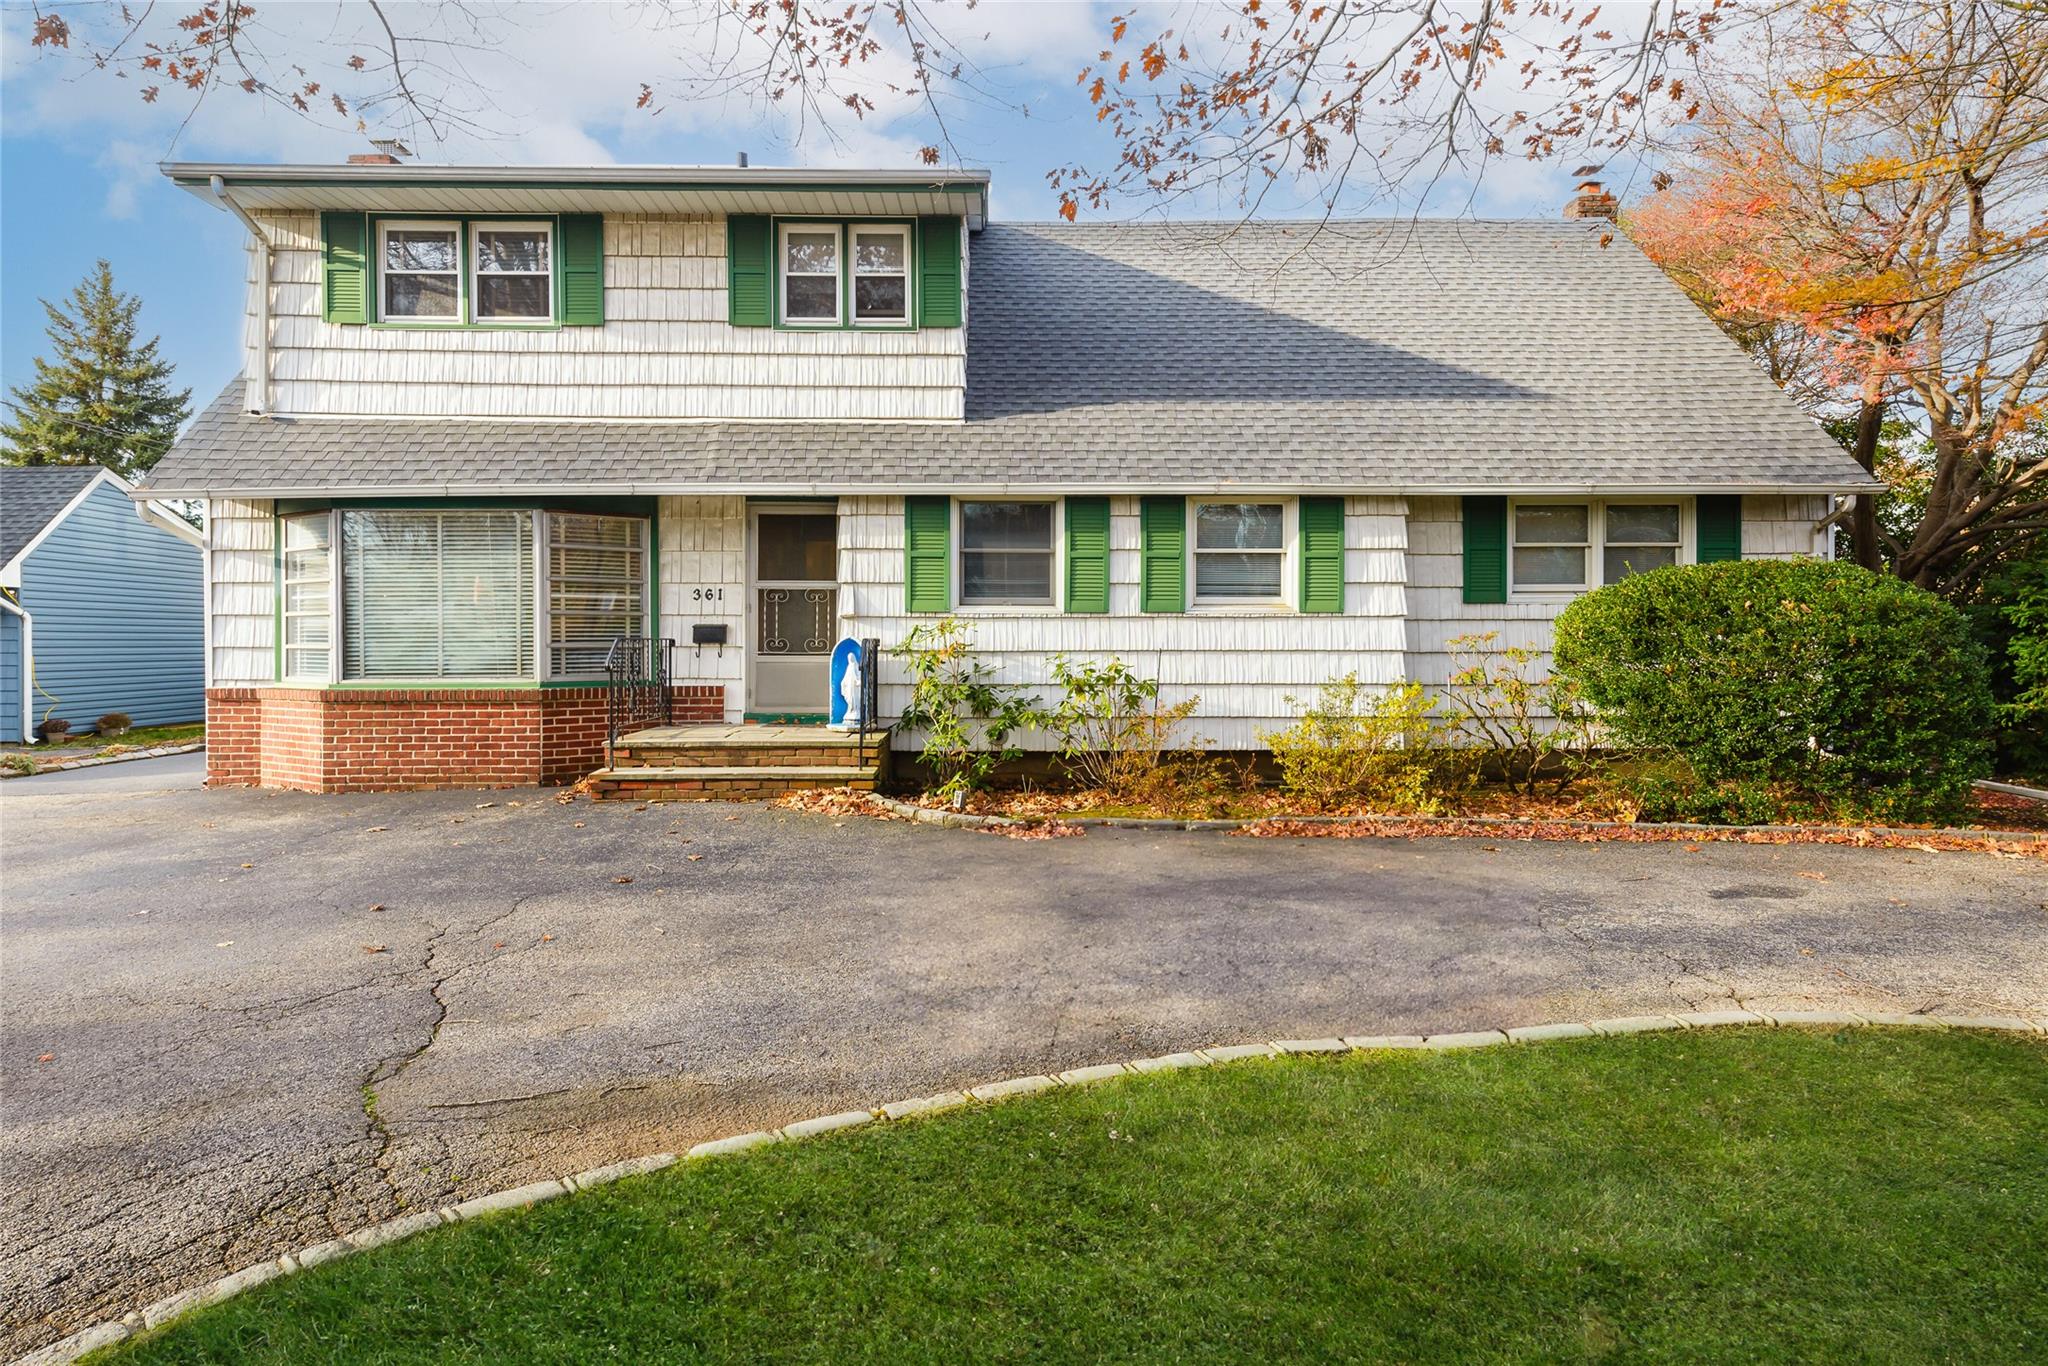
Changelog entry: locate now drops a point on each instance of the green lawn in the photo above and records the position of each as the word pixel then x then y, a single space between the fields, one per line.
pixel 138 737
pixel 1760 1195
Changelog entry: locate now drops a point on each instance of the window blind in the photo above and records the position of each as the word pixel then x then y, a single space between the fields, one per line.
pixel 597 589
pixel 437 594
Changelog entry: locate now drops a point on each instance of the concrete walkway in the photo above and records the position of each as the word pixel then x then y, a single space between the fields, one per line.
pixel 199 986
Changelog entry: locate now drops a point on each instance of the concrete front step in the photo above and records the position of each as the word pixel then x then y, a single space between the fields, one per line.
pixel 746 746
pixel 703 783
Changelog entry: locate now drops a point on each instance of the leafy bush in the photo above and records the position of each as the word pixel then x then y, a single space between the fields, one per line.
pixel 969 720
pixel 1824 679
pixel 1353 745
pixel 113 723
pixel 1111 729
pixel 2011 620
pixel 1529 727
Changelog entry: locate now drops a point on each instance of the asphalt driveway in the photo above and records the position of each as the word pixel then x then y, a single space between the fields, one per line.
pixel 239 1022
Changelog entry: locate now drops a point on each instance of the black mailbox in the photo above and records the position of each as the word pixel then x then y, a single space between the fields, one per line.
pixel 707 633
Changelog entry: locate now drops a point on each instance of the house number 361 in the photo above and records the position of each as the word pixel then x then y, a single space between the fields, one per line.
pixel 707 595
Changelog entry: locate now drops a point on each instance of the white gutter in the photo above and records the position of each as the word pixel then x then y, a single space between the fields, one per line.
pixel 256 394
pixel 965 488
pixel 164 520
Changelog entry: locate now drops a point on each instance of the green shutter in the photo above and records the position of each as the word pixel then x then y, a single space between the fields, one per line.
pixel 345 267
pixel 1087 554
pixel 1719 527
pixel 1486 550
pixel 1322 554
pixel 582 269
pixel 927 530
pixel 938 272
pixel 749 256
pixel 1163 554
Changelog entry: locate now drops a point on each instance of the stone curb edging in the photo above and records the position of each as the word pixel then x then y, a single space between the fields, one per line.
pixel 522 1197
pixel 964 820
pixel 95 760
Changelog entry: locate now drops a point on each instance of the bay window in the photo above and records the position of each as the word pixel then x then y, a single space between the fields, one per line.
pixel 306 610
pixel 597 589
pixel 1240 552
pixel 1006 553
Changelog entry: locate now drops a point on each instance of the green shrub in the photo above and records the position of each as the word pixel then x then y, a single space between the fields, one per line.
pixel 1112 731
pixel 113 723
pixel 2011 621
pixel 969 720
pixel 1353 745
pixel 1527 727
pixel 1822 679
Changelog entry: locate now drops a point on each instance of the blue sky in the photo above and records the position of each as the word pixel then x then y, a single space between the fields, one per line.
pixel 78 152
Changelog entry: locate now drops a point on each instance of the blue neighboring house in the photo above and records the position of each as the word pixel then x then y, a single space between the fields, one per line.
pixel 102 603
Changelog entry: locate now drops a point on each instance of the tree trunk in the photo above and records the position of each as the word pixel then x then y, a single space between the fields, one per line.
pixel 1863 517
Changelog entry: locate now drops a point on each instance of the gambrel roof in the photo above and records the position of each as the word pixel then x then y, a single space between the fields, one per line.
pixel 1398 356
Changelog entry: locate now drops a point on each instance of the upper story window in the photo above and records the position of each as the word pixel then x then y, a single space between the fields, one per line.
pixel 810 275
pixel 514 272
pixel 1006 553
pixel 1553 543
pixel 840 274
pixel 881 274
pixel 420 270
pixel 1240 552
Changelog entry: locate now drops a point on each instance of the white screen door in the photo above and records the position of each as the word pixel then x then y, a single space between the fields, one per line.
pixel 796 608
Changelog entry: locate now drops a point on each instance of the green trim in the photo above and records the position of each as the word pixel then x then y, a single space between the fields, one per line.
pixel 1162 554
pixel 579 268
pixel 938 273
pixel 749 258
pixel 1486 549
pixel 786 718
pixel 927 554
pixel 1322 554
pixel 277 594
pixel 465 290
pixel 1717 527
pixel 438 684
pixel 1087 554
pixel 346 243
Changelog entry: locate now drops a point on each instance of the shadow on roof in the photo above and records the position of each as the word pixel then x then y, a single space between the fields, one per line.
pixel 1056 327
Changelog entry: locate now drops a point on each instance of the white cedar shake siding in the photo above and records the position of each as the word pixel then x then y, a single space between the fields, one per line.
pixel 665 350
pixel 1243 664
pixel 241 576
pixel 1773 527
pixel 703 549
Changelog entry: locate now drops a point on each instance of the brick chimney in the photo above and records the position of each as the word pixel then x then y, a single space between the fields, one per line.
pixel 372 159
pixel 1592 201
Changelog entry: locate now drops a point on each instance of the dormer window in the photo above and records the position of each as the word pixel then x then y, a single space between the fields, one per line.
pixel 420 265
pixel 840 274
pixel 514 272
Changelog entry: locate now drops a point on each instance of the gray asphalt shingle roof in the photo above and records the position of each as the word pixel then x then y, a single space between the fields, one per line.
pixel 30 495
pixel 1399 355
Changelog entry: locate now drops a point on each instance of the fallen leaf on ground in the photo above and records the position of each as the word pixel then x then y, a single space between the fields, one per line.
pixel 499 945
pixel 248 865
pixel 225 944
pixel 1817 877
pixel 732 818
pixel 375 948
pixel 622 879
pixel 482 806
pixel 378 906
pixel 1692 848
pixel 46 1057
pixel 547 939
pixel 376 830
pixel 694 858
pixel 576 825
pixel 1806 953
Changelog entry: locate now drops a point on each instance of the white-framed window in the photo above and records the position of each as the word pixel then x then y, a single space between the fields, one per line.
pixel 1007 552
pixel 881 273
pixel 437 594
pixel 1240 553
pixel 1550 546
pixel 1568 547
pixel 1640 537
pixel 810 259
pixel 596 588
pixel 306 607
pixel 512 265
pixel 419 271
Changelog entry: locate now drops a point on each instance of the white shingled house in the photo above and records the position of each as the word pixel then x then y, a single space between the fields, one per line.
pixel 497 427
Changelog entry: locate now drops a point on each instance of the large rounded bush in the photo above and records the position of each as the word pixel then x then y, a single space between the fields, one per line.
pixel 1844 685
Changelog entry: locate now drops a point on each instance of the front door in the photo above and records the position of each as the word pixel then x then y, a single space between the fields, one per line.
pixel 795 608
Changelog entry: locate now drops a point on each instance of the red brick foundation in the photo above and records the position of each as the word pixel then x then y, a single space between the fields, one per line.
pixel 395 739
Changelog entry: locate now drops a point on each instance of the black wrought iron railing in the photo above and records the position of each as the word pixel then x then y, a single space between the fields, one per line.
pixel 870 696
pixel 636 687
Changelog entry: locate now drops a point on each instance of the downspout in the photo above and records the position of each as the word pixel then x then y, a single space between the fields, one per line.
pixel 256 398
pixel 28 665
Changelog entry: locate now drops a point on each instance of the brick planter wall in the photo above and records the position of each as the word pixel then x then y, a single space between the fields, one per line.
pixel 395 739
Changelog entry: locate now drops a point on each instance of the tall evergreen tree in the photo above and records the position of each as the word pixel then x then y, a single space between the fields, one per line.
pixel 104 400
